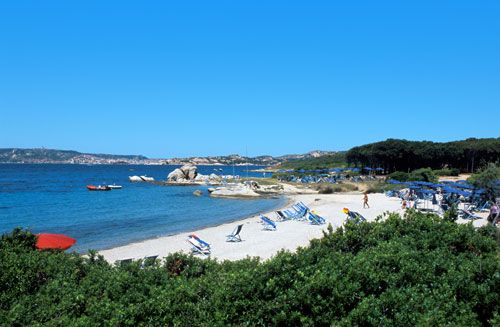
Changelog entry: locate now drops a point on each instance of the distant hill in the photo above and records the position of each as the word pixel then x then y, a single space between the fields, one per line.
pixel 236 159
pixel 41 155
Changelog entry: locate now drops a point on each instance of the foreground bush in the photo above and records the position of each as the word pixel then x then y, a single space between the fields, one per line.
pixel 416 270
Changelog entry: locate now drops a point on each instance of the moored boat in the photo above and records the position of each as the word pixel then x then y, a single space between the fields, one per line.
pixel 98 188
pixel 114 186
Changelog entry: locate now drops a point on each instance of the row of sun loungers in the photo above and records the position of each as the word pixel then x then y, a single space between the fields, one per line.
pixel 298 211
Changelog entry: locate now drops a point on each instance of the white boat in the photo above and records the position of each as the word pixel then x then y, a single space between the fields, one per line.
pixel 114 186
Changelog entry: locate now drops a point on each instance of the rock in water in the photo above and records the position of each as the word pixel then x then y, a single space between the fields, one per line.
pixel 235 191
pixel 197 193
pixel 175 176
pixel 190 172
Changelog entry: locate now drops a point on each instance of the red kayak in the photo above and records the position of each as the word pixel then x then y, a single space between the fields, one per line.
pixel 46 241
pixel 98 188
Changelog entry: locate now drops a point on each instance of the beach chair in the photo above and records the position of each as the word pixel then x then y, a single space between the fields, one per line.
pixel 314 219
pixel 301 204
pixel 202 242
pixel 198 246
pixel 282 216
pixel 354 216
pixel 268 223
pixel 291 214
pixel 235 235
pixel 466 214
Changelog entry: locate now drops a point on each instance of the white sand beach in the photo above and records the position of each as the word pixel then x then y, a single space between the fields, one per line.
pixel 257 242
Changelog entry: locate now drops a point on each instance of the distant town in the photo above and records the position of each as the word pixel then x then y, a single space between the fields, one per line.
pixel 52 156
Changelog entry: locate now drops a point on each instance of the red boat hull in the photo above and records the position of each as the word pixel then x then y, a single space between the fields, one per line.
pixel 98 188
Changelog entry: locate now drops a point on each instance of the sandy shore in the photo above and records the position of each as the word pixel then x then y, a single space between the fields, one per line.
pixel 257 242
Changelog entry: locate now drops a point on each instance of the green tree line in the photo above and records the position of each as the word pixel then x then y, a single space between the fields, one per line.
pixel 417 270
pixel 402 155
pixel 327 161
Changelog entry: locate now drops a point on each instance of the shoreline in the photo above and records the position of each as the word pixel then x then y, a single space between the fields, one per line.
pixel 190 231
pixel 256 242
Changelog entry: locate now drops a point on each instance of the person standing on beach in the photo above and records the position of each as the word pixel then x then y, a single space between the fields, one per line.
pixel 494 213
pixel 365 201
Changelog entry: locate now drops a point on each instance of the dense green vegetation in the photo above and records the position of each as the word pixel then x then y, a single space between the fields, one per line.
pixel 488 179
pixel 417 270
pixel 328 161
pixel 402 155
pixel 422 174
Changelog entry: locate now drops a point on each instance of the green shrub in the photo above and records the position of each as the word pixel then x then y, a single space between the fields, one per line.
pixel 326 189
pixel 424 175
pixel 415 270
pixel 487 179
pixel 447 172
pixel 399 176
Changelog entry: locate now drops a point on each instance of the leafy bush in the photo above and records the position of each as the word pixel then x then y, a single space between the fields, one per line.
pixel 399 176
pixel 336 188
pixel 415 270
pixel 447 172
pixel 423 174
pixel 328 189
pixel 488 179
pixel 380 187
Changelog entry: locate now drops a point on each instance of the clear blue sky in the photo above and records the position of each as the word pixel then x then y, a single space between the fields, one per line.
pixel 266 77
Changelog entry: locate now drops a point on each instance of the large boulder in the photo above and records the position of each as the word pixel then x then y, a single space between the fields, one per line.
pixel 190 172
pixel 184 174
pixel 176 176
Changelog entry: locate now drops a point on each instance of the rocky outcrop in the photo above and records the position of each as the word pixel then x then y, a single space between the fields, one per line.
pixel 188 174
pixel 234 191
pixel 184 174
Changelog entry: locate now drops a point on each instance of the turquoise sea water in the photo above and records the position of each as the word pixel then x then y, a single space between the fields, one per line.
pixel 54 199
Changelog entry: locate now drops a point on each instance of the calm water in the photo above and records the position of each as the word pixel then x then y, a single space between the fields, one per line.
pixel 53 198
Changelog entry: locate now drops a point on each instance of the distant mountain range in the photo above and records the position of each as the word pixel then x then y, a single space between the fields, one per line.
pixel 42 155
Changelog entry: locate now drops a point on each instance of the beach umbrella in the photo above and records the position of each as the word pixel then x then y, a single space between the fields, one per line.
pixel 47 241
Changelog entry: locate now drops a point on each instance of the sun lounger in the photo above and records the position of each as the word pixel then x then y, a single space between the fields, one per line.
pixel 268 223
pixel 291 214
pixel 198 246
pixel 314 219
pixel 466 214
pixel 282 216
pixel 235 235
pixel 355 217
pixel 202 242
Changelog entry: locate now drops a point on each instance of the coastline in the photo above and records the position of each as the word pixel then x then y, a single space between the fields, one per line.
pixel 256 242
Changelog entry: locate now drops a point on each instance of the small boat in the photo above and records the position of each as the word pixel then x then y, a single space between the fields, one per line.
pixel 98 188
pixel 115 187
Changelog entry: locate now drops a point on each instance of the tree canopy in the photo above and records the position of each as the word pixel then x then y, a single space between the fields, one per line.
pixel 402 155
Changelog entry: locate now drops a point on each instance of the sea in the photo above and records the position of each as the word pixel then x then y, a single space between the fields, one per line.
pixel 53 198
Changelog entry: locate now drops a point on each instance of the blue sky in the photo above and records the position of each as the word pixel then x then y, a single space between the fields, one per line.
pixel 262 77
